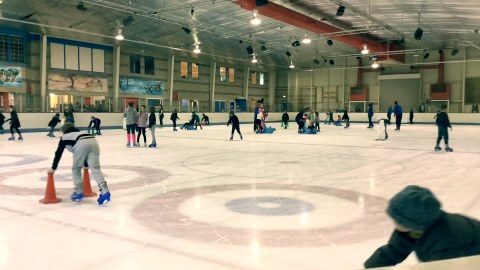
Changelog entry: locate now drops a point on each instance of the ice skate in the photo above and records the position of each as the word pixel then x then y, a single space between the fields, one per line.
pixel 241 137
pixel 77 196
pixel 145 145
pixel 20 138
pixel 438 148
pixel 105 193
pixel 231 138
pixel 448 149
pixel 153 145
pixel 11 138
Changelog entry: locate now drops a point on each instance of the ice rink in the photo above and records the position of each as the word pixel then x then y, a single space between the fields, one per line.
pixel 277 201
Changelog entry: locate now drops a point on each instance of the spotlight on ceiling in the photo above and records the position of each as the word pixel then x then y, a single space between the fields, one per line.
pixel 197 49
pixel 254 59
pixel 306 40
pixel 260 3
pixel 330 42
pixel 80 6
pixel 296 43
pixel 426 55
pixel 119 35
pixel 128 20
pixel 316 62
pixel 375 65
pixel 288 54
pixel 255 20
pixel 418 33
pixel 250 50
pixel 332 62
pixel 186 30
pixel 454 51
pixel 341 10
pixel 365 49
pixel 291 65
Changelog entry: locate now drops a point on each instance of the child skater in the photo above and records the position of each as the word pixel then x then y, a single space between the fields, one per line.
pixel 317 121
pixel 52 124
pixel 85 150
pixel 174 117
pixel 161 115
pixel 235 125
pixel 152 121
pixel 14 124
pixel 285 119
pixel 95 125
pixel 142 125
pixel 346 118
pixel 443 123
pixel 2 121
pixel 421 226
pixel 339 121
pixel 131 117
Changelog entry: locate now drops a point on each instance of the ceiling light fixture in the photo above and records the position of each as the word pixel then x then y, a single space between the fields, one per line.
pixel 454 51
pixel 365 49
pixel 197 49
pixel 375 65
pixel 291 65
pixel 119 35
pixel 332 62
pixel 254 60
pixel 306 40
pixel 341 10
pixel 296 43
pixel 316 62
pixel 288 54
pixel 255 20
pixel 419 32
pixel 192 11
pixel 330 42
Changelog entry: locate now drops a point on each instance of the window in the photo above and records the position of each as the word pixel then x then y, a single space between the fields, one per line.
pixel 149 65
pixel 11 49
pixel 135 63
pixel 76 55
pixel 254 77
pixel 262 78
pixel 231 75
pixel 194 71
pixel 223 74
pixel 184 69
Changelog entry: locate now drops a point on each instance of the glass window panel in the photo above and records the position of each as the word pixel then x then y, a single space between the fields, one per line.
pixel 223 74
pixel 135 63
pixel 184 69
pixel 149 65
pixel 194 71
pixel 16 49
pixel 254 77
pixel 262 78
pixel 231 75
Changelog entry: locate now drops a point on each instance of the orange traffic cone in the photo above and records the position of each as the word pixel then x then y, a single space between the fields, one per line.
pixel 87 188
pixel 50 194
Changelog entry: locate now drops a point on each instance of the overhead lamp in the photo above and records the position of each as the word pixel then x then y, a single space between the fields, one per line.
pixel 306 40
pixel 197 49
pixel 192 11
pixel 316 62
pixel 341 10
pixel 249 50
pixel 365 49
pixel 288 54
pixel 291 65
pixel 375 65
pixel 119 35
pixel 332 62
pixel 255 20
pixel 296 43
pixel 330 42
pixel 419 32
pixel 254 59
pixel 426 55
pixel 454 51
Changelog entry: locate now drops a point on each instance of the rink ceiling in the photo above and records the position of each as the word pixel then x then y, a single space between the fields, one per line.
pixel 271 201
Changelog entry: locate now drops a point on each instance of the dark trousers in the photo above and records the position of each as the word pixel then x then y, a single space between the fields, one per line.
pixel 370 123
pixel 398 121
pixel 141 130
pixel 16 128
pixel 237 128
pixel 174 124
pixel 389 116
pixel 161 119
pixel 411 120
pixel 317 126
pixel 442 132
pixel 131 129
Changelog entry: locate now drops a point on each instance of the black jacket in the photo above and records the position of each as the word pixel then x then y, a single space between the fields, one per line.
pixel 234 121
pixel 442 120
pixel 285 117
pixel 14 121
pixel 55 120
pixel 174 116
pixel 152 120
pixel 451 236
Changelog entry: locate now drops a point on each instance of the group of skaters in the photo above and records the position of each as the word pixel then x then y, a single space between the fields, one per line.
pixel 308 121
pixel 139 121
pixel 14 124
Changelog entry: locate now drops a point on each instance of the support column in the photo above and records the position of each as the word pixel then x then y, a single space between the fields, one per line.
pixel 246 77
pixel 116 78
pixel 171 72
pixel 43 73
pixel 272 77
pixel 311 88
pixel 213 75
pixel 295 92
pixel 463 77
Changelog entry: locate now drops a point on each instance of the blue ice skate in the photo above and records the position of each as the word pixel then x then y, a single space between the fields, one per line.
pixel 77 196
pixel 103 197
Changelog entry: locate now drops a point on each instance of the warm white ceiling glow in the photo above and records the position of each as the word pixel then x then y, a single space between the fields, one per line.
pixel 375 65
pixel 291 64
pixel 119 35
pixel 365 49
pixel 254 60
pixel 255 20
pixel 306 40
pixel 197 49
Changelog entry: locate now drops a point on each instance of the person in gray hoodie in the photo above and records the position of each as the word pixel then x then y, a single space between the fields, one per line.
pixel 142 125
pixel 131 117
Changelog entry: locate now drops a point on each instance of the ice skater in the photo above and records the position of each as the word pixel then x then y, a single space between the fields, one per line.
pixel 152 122
pixel 2 121
pixel 205 119
pixel 285 119
pixel 142 125
pixel 131 117
pixel 235 125
pixel 85 150
pixel 389 114
pixel 346 118
pixel 52 124
pixel 382 134
pixel 421 226
pixel 411 116
pixel 443 123
pixel 398 112
pixel 95 126
pixel 14 124
pixel 370 115
pixel 161 116
pixel 174 117
pixel 317 121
